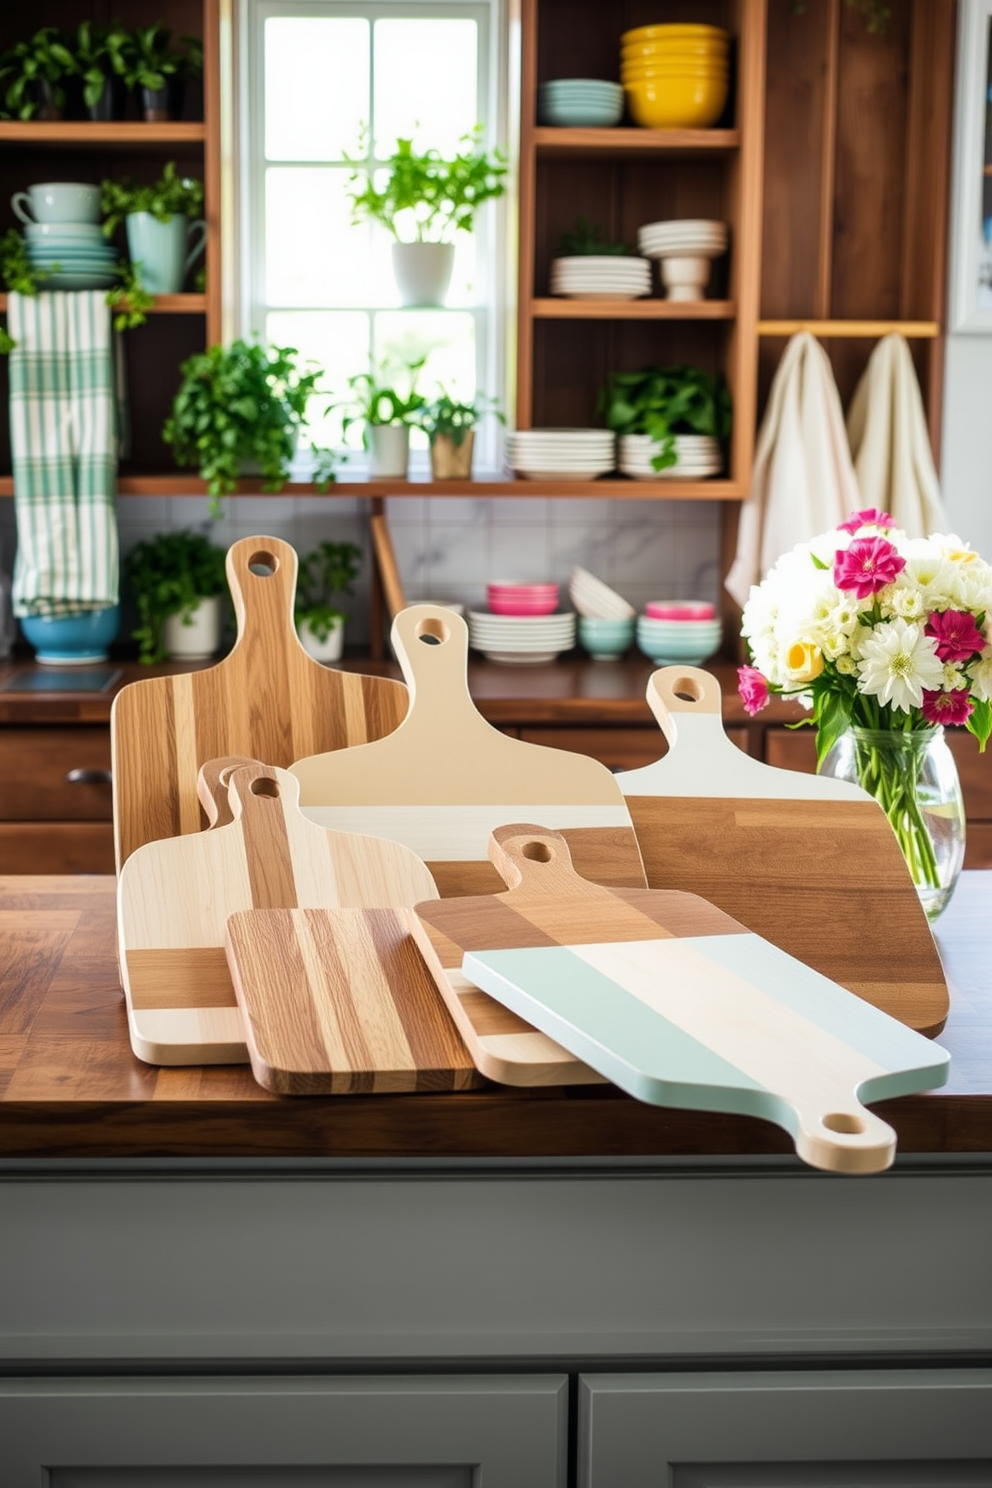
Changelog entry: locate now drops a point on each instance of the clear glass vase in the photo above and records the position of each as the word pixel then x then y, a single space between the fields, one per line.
pixel 915 780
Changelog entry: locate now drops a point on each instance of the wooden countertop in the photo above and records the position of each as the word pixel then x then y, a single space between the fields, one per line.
pixel 71 1087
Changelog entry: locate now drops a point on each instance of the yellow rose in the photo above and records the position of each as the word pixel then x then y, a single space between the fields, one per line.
pixel 803 662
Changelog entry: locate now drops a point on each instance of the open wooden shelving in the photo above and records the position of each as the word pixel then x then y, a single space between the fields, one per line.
pixel 181 484
pixel 83 135
pixel 605 309
pixel 174 304
pixel 635 143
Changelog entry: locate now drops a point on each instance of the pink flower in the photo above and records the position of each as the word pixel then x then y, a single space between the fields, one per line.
pixel 956 634
pixel 753 688
pixel 867 566
pixel 947 707
pixel 870 517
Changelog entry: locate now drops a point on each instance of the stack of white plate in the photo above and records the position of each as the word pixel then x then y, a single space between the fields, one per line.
pixel 696 457
pixel 70 255
pixel 685 250
pixel 601 277
pixel 521 639
pixel 561 454
pixel 596 600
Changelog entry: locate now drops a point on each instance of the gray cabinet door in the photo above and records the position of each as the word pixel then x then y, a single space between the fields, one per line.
pixel 850 1428
pixel 387 1432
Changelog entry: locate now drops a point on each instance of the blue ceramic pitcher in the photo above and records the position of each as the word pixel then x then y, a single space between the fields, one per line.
pixel 163 249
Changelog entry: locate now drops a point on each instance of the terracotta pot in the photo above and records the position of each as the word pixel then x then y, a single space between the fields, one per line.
pixel 451 461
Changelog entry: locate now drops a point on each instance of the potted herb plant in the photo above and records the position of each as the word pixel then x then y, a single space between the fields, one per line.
pixel 584 239
pixel 155 71
pixel 237 405
pixel 102 55
pixel 159 221
pixel 450 427
pixel 33 74
pixel 663 403
pixel 422 199
pixel 326 573
pixel 386 416
pixel 177 580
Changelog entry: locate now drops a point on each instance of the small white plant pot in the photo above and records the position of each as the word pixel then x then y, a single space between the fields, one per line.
pixel 389 451
pixel 330 649
pixel 423 272
pixel 200 638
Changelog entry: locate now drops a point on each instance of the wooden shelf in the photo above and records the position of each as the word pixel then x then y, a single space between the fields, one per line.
pixel 84 135
pixel 632 490
pixel 914 330
pixel 549 140
pixel 174 304
pixel 568 309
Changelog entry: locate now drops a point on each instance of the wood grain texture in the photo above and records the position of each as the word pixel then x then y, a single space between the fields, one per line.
pixel 339 1002
pixel 267 700
pixel 70 1085
pixel 385 557
pixel 792 856
pixel 446 777
pixel 175 898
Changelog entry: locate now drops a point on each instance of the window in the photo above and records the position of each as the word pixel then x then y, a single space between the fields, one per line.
pixel 325 80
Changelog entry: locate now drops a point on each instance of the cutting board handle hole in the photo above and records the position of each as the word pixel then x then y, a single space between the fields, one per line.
pixel 688 689
pixel 840 1121
pixel 263 565
pixel 263 786
pixel 432 632
pixel 537 852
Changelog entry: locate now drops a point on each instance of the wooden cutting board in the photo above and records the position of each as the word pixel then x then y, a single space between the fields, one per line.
pixel 446 777
pixel 339 1002
pixel 808 862
pixel 175 897
pixel 266 700
pixel 680 1005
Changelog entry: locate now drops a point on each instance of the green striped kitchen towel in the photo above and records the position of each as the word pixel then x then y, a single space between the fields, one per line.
pixel 63 430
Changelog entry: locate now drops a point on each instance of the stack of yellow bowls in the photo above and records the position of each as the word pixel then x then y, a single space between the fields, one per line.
pixel 675 77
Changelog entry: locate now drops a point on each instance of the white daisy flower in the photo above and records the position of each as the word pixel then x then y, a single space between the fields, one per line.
pixel 898 662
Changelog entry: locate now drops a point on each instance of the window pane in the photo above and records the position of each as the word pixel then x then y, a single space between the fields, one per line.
pixel 339 342
pixel 316 86
pixel 313 256
pixel 425 82
pixel 446 341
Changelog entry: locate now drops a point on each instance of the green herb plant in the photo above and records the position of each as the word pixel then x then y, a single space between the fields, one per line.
pixel 16 270
pixel 433 196
pixel 153 61
pixel 100 53
pixel 170 196
pixel 169 575
pixel 129 300
pixel 238 403
pixel 45 58
pixel 192 62
pixel 663 402
pixel 445 416
pixel 375 401
pixel 586 238
pixel 875 13
pixel 328 571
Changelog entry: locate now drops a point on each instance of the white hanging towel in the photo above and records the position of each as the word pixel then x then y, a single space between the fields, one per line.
pixel 803 481
pixel 890 442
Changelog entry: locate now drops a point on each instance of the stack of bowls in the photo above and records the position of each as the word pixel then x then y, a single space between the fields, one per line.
pixel 561 454
pixel 521 600
pixel 606 640
pixel 600 277
pixel 685 250
pixel 595 600
pixel 71 255
pixel 670 642
pixel 696 457
pixel 680 609
pixel 675 77
pixel 519 640
pixel 580 103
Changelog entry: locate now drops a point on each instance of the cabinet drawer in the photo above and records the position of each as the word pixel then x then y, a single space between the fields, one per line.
pixel 617 748
pixel 56 847
pixel 55 774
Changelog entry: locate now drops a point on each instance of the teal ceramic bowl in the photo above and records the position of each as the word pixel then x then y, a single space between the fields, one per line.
pixel 72 640
pixel 605 640
pixel 668 643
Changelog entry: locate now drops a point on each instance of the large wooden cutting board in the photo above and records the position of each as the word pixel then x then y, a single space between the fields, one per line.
pixel 175 897
pixel 267 700
pixel 808 862
pixel 680 1005
pixel 339 1002
pixel 446 777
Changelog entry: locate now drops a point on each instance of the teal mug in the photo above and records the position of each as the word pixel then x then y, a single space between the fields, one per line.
pixel 162 249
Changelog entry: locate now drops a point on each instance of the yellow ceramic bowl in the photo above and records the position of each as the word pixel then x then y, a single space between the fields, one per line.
pixel 689 70
pixel 645 50
pixel 676 103
pixel 675 33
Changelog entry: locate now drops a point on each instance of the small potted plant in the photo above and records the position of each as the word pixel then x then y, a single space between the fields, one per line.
pixel 450 427
pixel 326 573
pixel 156 72
pixel 33 74
pixel 102 56
pixel 584 239
pixel 177 581
pixel 239 406
pixel 386 416
pixel 422 199
pixel 159 221
pixel 660 404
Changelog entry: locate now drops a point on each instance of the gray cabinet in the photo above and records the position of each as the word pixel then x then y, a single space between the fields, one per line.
pixel 297 1432
pixel 849 1428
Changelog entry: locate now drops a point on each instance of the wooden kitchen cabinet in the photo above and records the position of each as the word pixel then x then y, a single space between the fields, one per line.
pixel 56 813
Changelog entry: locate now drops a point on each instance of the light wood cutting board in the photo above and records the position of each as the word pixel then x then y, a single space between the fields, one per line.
pixel 175 897
pixel 682 1006
pixel 808 862
pixel 446 777
pixel 339 1002
pixel 266 700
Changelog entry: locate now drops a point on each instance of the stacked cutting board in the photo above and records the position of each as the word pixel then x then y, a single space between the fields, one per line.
pixel 361 886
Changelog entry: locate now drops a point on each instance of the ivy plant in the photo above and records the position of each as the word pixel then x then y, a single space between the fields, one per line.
pixel 326 573
pixel 664 401
pixel 129 300
pixel 16 270
pixel 169 575
pixel 433 196
pixel 170 196
pixel 586 238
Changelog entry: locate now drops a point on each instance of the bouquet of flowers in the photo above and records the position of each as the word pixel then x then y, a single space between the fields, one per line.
pixel 875 631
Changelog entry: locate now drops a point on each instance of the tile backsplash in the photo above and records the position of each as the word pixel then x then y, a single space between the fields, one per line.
pixel 450 547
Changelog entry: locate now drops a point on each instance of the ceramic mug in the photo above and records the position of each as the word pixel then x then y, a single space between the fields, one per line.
pixel 57 201
pixel 163 249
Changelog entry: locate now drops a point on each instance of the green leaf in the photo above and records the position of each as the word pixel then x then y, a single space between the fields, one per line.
pixel 832 715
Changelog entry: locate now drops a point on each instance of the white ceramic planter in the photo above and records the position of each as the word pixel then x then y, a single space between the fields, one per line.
pixel 200 639
pixel 330 649
pixel 423 271
pixel 389 450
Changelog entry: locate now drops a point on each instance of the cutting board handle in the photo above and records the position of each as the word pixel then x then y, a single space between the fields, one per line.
pixel 535 864
pixel 212 787
pixel 261 574
pixel 431 646
pixel 848 1138
pixel 687 692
